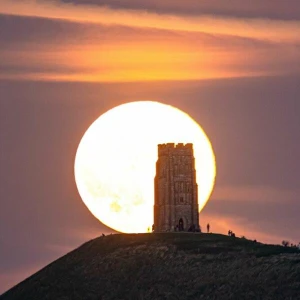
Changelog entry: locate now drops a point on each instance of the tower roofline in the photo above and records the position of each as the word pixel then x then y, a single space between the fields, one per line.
pixel 175 149
pixel 173 145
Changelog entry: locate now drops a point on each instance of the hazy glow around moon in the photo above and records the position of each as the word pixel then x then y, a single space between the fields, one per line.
pixel 115 161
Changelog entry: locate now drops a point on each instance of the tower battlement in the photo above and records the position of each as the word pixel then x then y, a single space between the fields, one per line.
pixel 175 149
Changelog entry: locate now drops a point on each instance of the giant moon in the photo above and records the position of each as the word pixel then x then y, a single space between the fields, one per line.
pixel 116 159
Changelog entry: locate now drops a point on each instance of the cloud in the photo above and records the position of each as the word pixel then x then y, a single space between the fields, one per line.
pixel 262 194
pixel 58 41
pixel 44 49
pixel 288 31
pixel 270 9
pixel 269 214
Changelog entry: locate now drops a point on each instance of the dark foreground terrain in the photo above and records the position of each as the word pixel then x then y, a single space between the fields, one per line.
pixel 167 266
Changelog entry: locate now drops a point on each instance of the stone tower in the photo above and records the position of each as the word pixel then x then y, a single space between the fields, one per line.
pixel 176 190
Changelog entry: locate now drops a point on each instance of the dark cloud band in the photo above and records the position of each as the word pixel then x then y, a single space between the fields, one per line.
pixel 269 9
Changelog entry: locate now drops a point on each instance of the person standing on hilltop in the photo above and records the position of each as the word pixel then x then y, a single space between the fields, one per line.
pixel 208 227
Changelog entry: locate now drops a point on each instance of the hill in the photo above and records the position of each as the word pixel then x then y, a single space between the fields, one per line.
pixel 167 266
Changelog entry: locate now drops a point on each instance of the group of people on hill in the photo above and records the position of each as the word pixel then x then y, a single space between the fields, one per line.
pixel 179 227
pixel 288 244
pixel 230 233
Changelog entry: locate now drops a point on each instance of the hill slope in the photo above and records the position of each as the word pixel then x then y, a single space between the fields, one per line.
pixel 167 266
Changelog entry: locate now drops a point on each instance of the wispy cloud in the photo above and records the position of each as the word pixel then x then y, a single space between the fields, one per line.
pixel 261 28
pixel 261 194
pixel 58 41
pixel 270 9
pixel 257 212
pixel 43 49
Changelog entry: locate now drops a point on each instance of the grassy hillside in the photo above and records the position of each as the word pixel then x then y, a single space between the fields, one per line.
pixel 167 266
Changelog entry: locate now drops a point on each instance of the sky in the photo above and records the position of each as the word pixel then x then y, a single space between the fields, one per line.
pixel 234 66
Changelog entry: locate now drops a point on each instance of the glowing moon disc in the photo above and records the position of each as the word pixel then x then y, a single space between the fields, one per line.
pixel 116 158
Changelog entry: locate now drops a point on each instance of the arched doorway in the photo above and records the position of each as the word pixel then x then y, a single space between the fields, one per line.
pixel 180 225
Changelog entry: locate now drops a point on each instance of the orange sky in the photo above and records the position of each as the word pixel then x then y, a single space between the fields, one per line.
pixel 151 46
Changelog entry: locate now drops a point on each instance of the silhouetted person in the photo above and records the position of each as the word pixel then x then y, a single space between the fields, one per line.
pixel 103 234
pixel 232 234
pixel 208 227
pixel 229 232
pixel 152 227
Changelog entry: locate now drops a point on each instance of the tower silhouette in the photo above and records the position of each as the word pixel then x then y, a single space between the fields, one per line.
pixel 176 190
